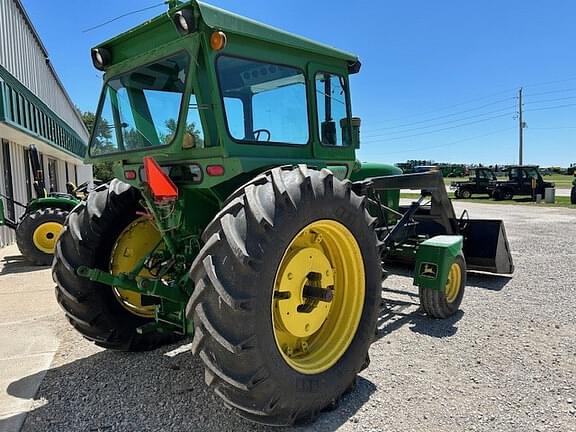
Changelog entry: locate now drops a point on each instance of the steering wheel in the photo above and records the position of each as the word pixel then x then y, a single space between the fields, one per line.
pixel 259 132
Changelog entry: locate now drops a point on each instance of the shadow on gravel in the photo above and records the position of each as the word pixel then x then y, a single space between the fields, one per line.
pixel 487 281
pixel 14 264
pixel 400 308
pixel 111 391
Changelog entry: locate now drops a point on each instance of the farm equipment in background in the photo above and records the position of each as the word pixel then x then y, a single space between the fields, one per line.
pixel 573 191
pixel 523 180
pixel 40 225
pixel 479 184
pixel 233 218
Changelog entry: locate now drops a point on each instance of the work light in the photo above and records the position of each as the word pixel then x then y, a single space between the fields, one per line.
pixel 100 58
pixel 184 21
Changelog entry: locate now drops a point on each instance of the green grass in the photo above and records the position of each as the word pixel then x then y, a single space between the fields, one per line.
pixel 561 181
pixel 560 201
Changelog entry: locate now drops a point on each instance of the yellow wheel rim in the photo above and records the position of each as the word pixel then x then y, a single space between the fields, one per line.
pixel 453 284
pixel 318 297
pixel 46 235
pixel 138 240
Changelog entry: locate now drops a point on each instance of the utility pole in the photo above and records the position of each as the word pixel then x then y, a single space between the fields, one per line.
pixel 521 128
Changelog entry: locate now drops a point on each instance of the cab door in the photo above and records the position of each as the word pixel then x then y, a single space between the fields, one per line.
pixel 331 114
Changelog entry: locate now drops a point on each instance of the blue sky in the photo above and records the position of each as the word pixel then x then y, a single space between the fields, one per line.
pixel 439 78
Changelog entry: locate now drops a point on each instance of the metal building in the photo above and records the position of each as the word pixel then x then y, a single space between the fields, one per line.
pixel 34 109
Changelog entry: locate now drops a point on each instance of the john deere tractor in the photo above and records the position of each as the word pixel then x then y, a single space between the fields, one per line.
pixel 39 227
pixel 240 216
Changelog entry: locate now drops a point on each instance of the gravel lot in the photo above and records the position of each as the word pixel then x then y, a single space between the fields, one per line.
pixel 505 362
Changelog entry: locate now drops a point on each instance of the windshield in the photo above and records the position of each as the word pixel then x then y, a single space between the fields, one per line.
pixel 141 108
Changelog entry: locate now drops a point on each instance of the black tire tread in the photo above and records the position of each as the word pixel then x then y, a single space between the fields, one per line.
pixel 225 337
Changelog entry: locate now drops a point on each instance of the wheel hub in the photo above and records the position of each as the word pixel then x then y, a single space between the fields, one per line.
pixel 453 283
pixel 137 241
pixel 318 296
pixel 46 236
pixel 301 311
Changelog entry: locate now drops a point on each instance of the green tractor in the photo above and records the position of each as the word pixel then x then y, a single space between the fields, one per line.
pixel 39 227
pixel 241 218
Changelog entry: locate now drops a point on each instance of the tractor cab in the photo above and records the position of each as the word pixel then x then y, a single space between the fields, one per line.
pixel 225 92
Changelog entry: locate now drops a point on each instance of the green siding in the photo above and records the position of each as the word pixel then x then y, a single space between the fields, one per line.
pixel 21 109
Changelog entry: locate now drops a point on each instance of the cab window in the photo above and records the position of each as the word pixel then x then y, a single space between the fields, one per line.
pixel 333 118
pixel 263 102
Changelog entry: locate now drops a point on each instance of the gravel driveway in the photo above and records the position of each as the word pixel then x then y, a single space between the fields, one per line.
pixel 505 362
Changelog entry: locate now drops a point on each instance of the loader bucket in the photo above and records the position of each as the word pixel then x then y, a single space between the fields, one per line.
pixel 486 246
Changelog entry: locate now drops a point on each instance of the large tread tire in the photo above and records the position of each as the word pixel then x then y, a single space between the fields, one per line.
pixel 234 277
pixel 434 302
pixel 573 195
pixel 87 240
pixel 27 227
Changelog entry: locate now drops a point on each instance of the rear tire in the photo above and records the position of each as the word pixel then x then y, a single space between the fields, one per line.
pixel 573 195
pixel 87 240
pixel 235 277
pixel 37 234
pixel 443 303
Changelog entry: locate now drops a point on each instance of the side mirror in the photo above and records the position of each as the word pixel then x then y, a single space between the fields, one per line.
pixel 356 122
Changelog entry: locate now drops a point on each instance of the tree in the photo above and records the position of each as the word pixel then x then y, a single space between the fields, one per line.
pixel 103 140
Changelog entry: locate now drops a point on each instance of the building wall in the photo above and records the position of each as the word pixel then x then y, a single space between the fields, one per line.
pixel 24 56
pixel 34 109
pixel 20 186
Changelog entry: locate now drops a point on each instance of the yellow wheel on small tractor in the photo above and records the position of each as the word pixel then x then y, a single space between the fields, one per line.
pixel 46 235
pixel 287 293
pixel 445 303
pixel 38 232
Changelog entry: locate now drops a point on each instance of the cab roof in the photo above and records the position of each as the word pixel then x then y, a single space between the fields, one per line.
pixel 220 19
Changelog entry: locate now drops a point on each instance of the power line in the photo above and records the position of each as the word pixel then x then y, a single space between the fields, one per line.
pixel 552 92
pixel 401 126
pixel 466 102
pixel 443 123
pixel 553 128
pixel 451 143
pixel 441 130
pixel 551 108
pixel 550 100
pixel 122 16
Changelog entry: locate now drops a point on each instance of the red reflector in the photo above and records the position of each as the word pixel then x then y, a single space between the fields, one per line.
pixel 130 175
pixel 215 170
pixel 160 184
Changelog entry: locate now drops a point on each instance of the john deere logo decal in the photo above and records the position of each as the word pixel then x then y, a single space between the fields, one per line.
pixel 429 270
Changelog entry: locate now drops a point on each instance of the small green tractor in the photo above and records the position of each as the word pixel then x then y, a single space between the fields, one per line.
pixel 39 227
pixel 241 218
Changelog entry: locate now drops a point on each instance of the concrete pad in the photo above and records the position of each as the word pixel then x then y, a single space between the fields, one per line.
pixel 28 340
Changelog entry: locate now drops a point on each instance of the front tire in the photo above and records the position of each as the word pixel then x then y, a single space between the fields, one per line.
pixel 445 303
pixel 250 265
pixel 89 239
pixel 37 234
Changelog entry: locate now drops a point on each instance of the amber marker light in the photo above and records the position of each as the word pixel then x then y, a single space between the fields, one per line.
pixel 218 40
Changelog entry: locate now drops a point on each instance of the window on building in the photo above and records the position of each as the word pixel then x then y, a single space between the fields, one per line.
pixel 8 186
pixel 263 102
pixel 52 175
pixel 333 118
